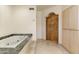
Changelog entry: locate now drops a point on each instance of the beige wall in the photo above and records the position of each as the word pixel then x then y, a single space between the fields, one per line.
pixel 39 25
pixel 24 20
pixel 5 20
pixel 17 19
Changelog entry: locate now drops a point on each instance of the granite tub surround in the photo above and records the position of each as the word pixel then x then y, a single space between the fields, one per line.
pixel 9 35
pixel 13 44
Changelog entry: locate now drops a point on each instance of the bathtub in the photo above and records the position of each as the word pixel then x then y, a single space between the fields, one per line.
pixel 13 44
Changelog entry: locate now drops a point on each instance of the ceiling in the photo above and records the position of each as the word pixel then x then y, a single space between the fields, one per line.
pixel 43 7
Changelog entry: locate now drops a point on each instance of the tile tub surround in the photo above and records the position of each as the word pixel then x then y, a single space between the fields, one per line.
pixel 18 48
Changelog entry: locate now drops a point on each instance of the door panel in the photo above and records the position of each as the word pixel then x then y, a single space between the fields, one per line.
pixel 66 39
pixel 52 28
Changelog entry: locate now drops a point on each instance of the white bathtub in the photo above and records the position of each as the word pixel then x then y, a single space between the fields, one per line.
pixel 13 44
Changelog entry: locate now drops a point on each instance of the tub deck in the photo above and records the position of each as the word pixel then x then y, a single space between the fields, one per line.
pixel 9 48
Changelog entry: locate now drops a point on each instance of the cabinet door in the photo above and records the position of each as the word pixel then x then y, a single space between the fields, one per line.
pixel 65 19
pixel 70 18
pixel 71 39
pixel 66 39
pixel 73 17
pixel 74 42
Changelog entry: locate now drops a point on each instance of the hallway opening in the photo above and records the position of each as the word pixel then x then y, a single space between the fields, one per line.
pixel 49 28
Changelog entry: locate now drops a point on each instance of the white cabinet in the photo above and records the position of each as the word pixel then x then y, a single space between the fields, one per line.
pixel 70 33
pixel 66 39
pixel 70 18
pixel 74 43
pixel 65 19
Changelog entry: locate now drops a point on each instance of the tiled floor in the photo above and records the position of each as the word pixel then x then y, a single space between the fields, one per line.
pixel 29 48
pixel 49 47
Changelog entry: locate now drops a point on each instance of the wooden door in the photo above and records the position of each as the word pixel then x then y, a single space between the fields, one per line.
pixel 52 27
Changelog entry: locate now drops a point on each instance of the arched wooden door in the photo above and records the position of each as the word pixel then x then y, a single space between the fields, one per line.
pixel 52 27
